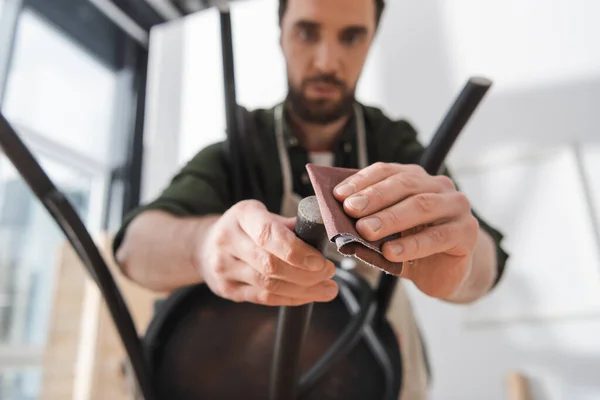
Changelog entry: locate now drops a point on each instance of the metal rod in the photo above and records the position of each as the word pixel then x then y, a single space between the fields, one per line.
pixel 433 158
pixel 373 341
pixel 293 322
pixel 452 125
pixel 349 338
pixel 241 129
pixel 166 9
pixel 135 153
pixel 122 20
pixel 233 134
pixel 292 325
pixel 72 226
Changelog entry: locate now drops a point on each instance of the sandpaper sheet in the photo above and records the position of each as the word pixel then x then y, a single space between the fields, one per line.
pixel 339 226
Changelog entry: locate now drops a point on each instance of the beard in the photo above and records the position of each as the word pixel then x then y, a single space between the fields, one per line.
pixel 324 111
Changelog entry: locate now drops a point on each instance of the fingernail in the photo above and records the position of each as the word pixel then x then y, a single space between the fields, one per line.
pixel 330 290
pixel 373 223
pixel 358 202
pixel 314 263
pixel 345 190
pixel 396 248
pixel 330 270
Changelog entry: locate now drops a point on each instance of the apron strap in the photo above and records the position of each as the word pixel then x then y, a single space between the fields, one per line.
pixel 284 160
pixel 361 132
pixel 286 168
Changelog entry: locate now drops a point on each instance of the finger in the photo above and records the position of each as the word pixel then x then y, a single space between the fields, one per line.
pixel 431 240
pixel 242 292
pixel 421 209
pixel 392 190
pixel 289 223
pixel 269 265
pixel 366 177
pixel 253 295
pixel 269 232
pixel 322 291
pixel 230 284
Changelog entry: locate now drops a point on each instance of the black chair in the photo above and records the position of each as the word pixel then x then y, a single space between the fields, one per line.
pixel 201 346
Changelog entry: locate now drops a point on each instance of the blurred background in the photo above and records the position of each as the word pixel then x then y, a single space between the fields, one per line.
pixel 114 96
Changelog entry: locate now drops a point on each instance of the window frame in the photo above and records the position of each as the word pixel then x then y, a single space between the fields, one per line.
pixel 125 54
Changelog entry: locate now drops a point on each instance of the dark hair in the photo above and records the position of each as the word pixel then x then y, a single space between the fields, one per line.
pixel 379 4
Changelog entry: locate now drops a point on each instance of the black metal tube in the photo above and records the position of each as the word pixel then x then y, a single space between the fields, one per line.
pixel 383 296
pixel 292 325
pixel 433 158
pixel 68 220
pixel 347 340
pixel 293 322
pixel 452 125
pixel 135 162
pixel 373 341
pixel 233 134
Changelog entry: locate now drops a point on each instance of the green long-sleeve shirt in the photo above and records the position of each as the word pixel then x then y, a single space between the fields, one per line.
pixel 203 185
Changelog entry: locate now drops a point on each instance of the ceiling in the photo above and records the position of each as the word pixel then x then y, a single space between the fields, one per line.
pixel 137 17
pixel 151 12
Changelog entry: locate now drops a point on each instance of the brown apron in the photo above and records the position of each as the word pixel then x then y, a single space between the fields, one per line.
pixel 400 313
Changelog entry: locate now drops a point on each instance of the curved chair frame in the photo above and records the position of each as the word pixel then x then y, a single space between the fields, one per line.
pixel 368 306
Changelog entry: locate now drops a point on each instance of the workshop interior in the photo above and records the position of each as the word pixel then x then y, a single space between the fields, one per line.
pixel 102 102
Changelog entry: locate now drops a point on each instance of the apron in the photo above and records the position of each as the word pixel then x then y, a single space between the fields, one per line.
pixel 400 313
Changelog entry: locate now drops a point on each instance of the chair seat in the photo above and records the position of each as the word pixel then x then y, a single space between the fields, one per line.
pixel 202 346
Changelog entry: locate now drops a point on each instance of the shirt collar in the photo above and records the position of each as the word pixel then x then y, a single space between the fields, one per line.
pixel 345 142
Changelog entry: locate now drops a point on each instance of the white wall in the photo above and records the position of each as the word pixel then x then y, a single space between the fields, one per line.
pixel 162 128
pixel 516 162
pixel 512 159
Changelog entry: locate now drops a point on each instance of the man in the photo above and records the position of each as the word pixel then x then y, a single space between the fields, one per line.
pixel 247 251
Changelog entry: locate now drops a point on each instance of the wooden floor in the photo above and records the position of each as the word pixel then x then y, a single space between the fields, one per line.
pixel 84 357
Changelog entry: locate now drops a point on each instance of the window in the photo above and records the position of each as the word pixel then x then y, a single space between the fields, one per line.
pixel 26 275
pixel 70 95
pixel 29 242
pixel 21 384
pixel 59 91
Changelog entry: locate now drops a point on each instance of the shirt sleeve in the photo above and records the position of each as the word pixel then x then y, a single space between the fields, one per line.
pixel 201 187
pixel 410 151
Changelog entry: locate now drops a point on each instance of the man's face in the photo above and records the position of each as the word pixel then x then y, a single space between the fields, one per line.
pixel 325 44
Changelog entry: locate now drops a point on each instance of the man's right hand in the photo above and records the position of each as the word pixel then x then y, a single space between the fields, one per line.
pixel 252 255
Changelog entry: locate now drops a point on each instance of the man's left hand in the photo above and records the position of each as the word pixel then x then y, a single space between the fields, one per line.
pixel 439 232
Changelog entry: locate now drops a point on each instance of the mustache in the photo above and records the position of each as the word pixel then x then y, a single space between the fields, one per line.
pixel 329 79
